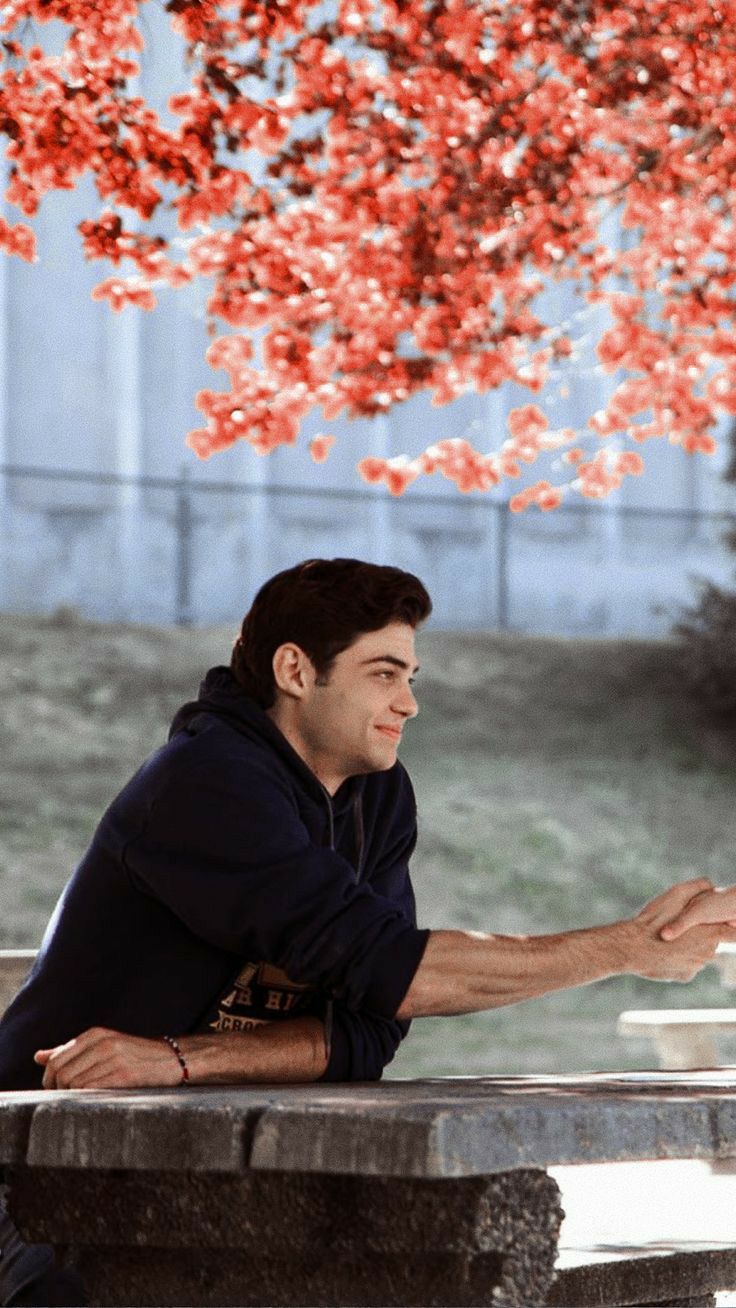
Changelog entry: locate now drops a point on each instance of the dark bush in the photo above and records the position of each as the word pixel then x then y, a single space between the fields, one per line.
pixel 708 645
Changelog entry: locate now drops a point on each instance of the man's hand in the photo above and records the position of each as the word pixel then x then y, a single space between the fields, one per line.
pixel 712 905
pixel 662 955
pixel 100 1059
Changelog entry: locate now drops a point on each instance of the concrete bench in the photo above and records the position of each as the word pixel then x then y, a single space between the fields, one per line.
pixel 687 1037
pixel 725 961
pixel 682 1037
pixel 407 1193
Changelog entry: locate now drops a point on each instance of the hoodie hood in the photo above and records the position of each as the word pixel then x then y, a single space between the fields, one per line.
pixel 220 695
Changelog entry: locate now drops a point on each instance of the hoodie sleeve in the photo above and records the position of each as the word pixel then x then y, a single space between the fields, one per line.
pixel 362 1044
pixel 223 846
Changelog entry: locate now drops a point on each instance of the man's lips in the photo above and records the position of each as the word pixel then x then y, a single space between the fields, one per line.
pixel 393 732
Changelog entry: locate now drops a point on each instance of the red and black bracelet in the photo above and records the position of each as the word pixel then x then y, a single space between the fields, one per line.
pixel 177 1050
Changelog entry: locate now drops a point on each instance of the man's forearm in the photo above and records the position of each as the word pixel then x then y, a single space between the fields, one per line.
pixel 466 972
pixel 294 1050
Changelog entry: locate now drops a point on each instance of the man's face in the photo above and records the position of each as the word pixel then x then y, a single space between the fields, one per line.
pixel 351 723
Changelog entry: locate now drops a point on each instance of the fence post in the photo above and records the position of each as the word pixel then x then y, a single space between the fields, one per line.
pixel 184 520
pixel 502 570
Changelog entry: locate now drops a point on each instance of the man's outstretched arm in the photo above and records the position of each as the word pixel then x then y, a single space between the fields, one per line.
pixel 466 972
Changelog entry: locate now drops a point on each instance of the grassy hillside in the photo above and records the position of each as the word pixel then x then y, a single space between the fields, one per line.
pixel 559 783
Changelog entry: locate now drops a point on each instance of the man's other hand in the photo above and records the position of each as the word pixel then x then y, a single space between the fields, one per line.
pixel 661 955
pixel 100 1059
pixel 295 1050
pixel 711 906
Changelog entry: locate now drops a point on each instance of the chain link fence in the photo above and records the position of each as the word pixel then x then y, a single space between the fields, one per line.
pixel 167 550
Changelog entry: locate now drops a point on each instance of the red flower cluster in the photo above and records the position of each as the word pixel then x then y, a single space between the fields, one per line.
pixel 18 239
pixel 389 198
pixel 320 446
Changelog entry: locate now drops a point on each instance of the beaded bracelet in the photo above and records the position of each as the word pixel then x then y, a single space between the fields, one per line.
pixel 174 1044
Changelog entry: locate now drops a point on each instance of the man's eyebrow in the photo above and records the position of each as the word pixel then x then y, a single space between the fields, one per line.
pixel 391 658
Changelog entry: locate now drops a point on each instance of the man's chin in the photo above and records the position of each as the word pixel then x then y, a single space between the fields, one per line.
pixel 380 761
pixel 386 759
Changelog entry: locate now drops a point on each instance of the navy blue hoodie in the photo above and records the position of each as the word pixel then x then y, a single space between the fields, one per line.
pixel 224 850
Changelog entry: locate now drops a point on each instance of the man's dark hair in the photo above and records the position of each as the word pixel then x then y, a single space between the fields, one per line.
pixel 321 605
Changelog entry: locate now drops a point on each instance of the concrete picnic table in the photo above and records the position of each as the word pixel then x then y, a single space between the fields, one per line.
pixel 403 1192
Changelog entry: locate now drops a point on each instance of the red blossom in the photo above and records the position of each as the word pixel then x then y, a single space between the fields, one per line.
pixel 233 353
pixel 320 446
pixel 396 474
pixel 19 239
pixel 527 423
pixel 456 460
pixel 693 443
pixel 119 293
pixel 542 493
pixel 630 463
pixel 419 185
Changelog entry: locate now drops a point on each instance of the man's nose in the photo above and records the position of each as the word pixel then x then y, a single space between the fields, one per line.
pixel 405 703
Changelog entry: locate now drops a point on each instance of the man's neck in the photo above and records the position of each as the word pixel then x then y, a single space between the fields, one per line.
pixel 283 720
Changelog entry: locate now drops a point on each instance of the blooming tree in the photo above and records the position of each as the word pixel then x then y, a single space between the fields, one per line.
pixel 379 192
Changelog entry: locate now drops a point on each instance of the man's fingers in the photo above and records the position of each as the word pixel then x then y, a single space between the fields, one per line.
pixel 76 1058
pixel 715 906
pixel 52 1060
pixel 683 922
pixel 702 941
pixel 101 1058
pixel 668 906
pixel 675 929
pixel 100 1076
pixel 681 894
pixel 725 932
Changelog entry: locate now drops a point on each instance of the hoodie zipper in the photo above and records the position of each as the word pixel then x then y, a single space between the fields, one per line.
pixel 358 826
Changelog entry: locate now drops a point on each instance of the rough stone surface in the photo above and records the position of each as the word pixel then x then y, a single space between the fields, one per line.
pixel 496 1133
pixel 292 1238
pixel 450 1128
pixel 160 1278
pixel 15 1125
pixel 204 1132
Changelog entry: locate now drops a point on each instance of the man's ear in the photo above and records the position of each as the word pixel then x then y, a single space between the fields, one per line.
pixel 293 670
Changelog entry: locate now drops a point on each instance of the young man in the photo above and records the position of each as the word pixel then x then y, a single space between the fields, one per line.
pixel 245 913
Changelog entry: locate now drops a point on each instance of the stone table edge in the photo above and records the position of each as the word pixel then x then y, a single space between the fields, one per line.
pixel 363 1131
